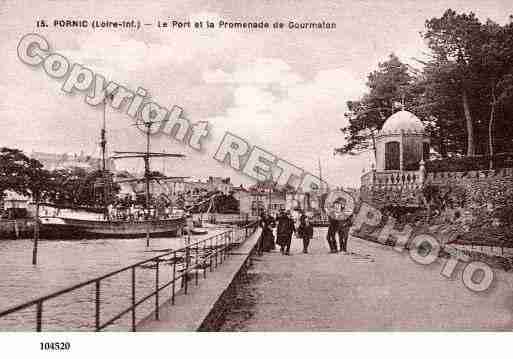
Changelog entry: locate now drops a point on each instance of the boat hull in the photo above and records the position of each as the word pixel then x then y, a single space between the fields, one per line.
pixel 69 228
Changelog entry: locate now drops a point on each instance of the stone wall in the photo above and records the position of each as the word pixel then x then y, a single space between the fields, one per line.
pixel 16 229
pixel 479 203
pixel 475 189
pixel 394 196
pixel 471 189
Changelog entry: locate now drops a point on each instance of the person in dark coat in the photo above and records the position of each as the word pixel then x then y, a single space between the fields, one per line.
pixel 343 232
pixel 333 226
pixel 305 231
pixel 266 240
pixel 284 232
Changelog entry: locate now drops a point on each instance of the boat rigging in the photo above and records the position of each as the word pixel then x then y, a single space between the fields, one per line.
pixel 147 172
pixel 74 225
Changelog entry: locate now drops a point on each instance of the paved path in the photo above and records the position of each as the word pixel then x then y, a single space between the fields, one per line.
pixel 372 288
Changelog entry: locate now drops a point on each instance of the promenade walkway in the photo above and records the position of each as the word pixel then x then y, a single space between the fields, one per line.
pixel 372 288
pixel 204 300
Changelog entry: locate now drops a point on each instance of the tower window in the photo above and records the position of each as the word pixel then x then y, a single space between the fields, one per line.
pixel 425 151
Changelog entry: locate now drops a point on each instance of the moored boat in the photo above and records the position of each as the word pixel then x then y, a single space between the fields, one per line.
pixel 103 223
pixel 74 228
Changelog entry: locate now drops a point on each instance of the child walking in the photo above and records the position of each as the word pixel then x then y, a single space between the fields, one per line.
pixel 305 231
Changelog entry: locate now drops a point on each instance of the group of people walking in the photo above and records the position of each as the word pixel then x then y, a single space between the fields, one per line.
pixel 286 226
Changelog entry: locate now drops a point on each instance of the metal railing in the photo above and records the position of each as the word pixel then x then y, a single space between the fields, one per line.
pixel 187 263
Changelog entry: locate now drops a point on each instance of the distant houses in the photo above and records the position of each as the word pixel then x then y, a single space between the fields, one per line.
pixel 14 205
pixel 253 200
pixel 265 196
pixel 53 161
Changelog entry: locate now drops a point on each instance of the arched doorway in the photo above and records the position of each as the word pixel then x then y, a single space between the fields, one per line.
pixel 392 156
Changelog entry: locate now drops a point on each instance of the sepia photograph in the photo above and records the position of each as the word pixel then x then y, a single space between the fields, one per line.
pixel 288 166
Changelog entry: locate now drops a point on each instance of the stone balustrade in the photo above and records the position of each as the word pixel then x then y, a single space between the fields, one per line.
pixel 415 179
pixel 392 179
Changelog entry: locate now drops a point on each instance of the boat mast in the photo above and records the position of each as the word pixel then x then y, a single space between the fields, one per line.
pixel 320 172
pixel 147 173
pixel 103 144
pixel 147 167
pixel 321 188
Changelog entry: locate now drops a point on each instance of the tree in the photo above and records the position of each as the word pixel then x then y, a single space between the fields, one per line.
pixel 226 204
pixel 462 93
pixel 388 86
pixel 435 104
pixel 456 42
pixel 496 60
pixel 25 176
pixel 453 40
pixel 76 187
pixel 13 164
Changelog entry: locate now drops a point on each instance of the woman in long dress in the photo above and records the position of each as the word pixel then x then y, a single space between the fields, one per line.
pixel 267 237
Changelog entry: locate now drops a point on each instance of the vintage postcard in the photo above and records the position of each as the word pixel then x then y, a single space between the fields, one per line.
pixel 255 166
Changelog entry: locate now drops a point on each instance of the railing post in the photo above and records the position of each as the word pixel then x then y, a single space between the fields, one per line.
pixel 227 243
pixel 157 290
pixel 220 244
pixel 216 245
pixel 204 261
pixel 97 306
pixel 211 253
pixel 39 316
pixel 196 264
pixel 185 275
pixel 174 280
pixel 221 248
pixel 133 299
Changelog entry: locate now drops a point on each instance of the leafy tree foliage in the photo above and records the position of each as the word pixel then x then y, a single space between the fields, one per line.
pixel 66 187
pixel 227 204
pixel 78 187
pixel 24 175
pixel 388 87
pixel 13 171
pixel 463 92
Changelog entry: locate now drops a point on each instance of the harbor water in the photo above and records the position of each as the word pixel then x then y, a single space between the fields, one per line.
pixel 65 263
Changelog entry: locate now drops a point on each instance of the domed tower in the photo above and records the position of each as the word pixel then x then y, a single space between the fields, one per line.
pixel 401 143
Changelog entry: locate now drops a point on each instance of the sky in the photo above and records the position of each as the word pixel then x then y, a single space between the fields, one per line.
pixel 282 90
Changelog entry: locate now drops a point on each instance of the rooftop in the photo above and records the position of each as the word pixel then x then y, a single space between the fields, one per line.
pixel 403 121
